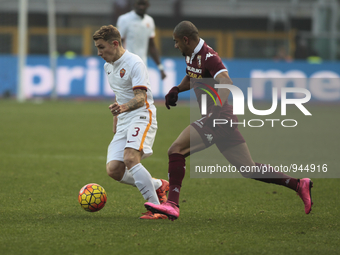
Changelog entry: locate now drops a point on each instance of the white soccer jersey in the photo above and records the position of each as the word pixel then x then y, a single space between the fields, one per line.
pixel 137 32
pixel 125 74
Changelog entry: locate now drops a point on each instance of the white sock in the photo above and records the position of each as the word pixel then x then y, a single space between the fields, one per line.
pixel 157 183
pixel 128 179
pixel 144 183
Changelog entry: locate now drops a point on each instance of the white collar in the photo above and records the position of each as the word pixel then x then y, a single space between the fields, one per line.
pixel 119 60
pixel 197 49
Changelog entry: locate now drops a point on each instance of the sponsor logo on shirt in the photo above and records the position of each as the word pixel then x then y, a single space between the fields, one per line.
pixel 193 69
pixel 194 75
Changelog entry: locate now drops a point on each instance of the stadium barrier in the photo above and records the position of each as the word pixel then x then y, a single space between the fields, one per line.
pixel 85 77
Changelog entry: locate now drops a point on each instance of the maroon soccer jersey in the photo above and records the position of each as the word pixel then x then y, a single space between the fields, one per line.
pixel 204 63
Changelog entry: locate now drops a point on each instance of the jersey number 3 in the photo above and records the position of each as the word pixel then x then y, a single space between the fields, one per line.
pixel 137 131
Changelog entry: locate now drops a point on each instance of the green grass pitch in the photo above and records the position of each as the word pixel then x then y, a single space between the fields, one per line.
pixel 48 151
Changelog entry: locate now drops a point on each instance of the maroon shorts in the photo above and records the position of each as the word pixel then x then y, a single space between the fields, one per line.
pixel 223 135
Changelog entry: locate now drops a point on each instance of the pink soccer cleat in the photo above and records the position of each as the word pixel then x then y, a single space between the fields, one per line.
pixel 169 208
pixel 304 191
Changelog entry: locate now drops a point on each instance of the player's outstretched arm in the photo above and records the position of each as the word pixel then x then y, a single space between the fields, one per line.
pixel 155 56
pixel 185 84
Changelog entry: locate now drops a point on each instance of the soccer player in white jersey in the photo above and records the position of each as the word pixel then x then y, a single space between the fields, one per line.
pixel 134 121
pixel 137 30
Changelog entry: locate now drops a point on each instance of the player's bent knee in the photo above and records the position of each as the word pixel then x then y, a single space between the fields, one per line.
pixel 174 148
pixel 110 171
pixel 129 162
pixel 131 158
pixel 115 170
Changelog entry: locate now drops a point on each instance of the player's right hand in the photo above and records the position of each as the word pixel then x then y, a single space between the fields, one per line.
pixel 172 97
pixel 115 109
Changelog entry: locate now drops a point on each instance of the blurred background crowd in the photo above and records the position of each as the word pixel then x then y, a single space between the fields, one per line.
pixel 283 30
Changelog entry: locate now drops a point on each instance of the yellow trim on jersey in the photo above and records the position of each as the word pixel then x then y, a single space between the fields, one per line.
pixel 146 129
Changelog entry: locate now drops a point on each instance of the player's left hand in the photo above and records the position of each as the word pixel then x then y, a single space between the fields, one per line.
pixel 214 114
pixel 172 97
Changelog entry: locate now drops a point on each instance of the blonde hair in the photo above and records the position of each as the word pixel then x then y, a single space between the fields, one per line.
pixel 107 33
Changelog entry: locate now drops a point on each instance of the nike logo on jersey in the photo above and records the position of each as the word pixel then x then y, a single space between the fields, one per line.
pixel 130 141
pixel 108 73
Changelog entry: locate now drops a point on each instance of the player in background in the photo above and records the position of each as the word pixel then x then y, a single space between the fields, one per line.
pixel 203 62
pixel 134 118
pixel 138 31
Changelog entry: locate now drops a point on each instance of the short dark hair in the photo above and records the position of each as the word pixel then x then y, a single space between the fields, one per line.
pixel 186 28
pixel 108 33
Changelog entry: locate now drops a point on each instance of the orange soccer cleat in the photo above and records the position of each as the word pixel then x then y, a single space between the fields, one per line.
pixel 153 216
pixel 162 191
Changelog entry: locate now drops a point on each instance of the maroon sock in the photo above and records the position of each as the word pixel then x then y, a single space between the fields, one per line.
pixel 270 176
pixel 176 176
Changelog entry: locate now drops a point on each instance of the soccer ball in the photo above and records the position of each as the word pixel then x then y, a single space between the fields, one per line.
pixel 92 197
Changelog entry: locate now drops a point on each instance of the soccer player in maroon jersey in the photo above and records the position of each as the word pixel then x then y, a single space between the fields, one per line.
pixel 203 62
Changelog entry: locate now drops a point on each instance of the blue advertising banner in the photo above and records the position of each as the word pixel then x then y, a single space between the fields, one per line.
pixel 85 77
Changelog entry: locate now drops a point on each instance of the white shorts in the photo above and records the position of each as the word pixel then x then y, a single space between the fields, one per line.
pixel 139 134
